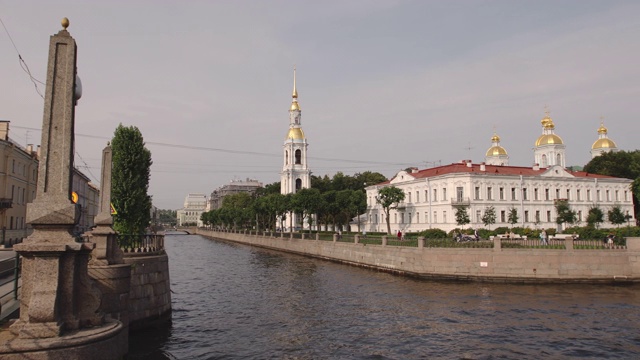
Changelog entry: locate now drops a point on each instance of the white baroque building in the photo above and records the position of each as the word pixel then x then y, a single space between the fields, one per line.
pixel 194 206
pixel 431 195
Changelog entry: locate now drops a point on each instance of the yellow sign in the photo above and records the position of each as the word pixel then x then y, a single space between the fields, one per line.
pixel 74 197
pixel 113 210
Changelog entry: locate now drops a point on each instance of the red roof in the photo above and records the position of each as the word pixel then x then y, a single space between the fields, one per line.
pixel 493 170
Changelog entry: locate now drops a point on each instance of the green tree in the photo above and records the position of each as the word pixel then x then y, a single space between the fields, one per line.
pixel 595 217
pixel 616 216
pixel 489 217
pixel 462 215
pixel 306 202
pixel 130 181
pixel 238 209
pixel 513 216
pixel 388 197
pixel 564 214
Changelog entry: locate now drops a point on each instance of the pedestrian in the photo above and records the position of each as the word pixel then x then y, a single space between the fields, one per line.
pixel 475 234
pixel 543 237
pixel 610 240
pixel 364 233
pixel 399 235
pixel 339 234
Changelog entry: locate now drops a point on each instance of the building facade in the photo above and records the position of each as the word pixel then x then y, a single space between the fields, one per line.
pixel 295 173
pixel 432 195
pixel 194 206
pixel 249 186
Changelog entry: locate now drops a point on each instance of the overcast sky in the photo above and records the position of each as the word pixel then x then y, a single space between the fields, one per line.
pixel 383 85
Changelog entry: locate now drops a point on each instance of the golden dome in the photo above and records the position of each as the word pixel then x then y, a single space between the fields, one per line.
pixel 495 138
pixel 602 129
pixel 294 106
pixel 549 139
pixel 604 143
pixel 295 134
pixel 496 151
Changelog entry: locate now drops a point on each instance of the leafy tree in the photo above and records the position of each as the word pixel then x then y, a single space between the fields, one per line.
pixel 462 216
pixel 595 217
pixel 387 197
pixel 368 178
pixel 564 213
pixel 489 217
pixel 359 203
pixel 513 216
pixel 130 181
pixel 616 216
pixel 623 164
pixel 306 202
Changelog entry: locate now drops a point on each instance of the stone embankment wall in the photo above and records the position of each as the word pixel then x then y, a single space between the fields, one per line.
pixel 477 264
pixel 150 293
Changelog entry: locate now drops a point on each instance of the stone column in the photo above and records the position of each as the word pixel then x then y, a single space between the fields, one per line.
pixel 57 294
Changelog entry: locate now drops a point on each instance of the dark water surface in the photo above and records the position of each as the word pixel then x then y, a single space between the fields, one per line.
pixel 237 302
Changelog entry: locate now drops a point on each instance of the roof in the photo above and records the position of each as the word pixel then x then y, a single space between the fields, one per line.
pixel 461 168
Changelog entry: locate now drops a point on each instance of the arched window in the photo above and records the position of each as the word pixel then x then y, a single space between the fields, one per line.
pixel 298 157
pixel 298 183
pixel 559 158
pixel 286 157
pixel 544 161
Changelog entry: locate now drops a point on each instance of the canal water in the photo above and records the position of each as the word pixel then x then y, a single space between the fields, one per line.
pixel 233 301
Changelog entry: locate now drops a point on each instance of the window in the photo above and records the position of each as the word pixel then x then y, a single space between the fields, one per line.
pixel 548 216
pixel 598 195
pixel 444 217
pixel 417 196
pixel 524 194
pixel 435 217
pixel 13 192
pixel 409 218
pixel 526 216
pixel 298 184
pixel 578 197
pixel 478 216
pixel 501 193
pixel 568 194
pixel 546 194
pixel 409 196
pixel 477 193
pixel 402 218
pixel 588 195
pixel 579 215
pixel 557 193
pixel 395 218
pixel 435 195
pixel 503 216
pixel 459 194
pixel 617 196
pixel 298 157
pixel 444 194
pixel 513 194
pixel 426 195
pixel 286 157
pixel 607 194
pixel 626 196
pixel 537 216
pixel 535 194
pixel 417 217
pixel 489 193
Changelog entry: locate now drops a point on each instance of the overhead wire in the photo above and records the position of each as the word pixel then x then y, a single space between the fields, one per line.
pixel 23 63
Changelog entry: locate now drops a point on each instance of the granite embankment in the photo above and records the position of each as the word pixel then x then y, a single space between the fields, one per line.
pixel 475 264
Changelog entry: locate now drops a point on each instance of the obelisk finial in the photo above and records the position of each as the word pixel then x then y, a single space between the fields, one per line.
pixel 65 23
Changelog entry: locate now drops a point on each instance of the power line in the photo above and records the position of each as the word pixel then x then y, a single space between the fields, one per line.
pixel 23 64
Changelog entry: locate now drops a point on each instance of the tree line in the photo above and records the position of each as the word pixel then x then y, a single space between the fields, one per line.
pixel 330 202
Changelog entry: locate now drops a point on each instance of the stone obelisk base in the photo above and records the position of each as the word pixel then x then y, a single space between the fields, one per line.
pixel 107 341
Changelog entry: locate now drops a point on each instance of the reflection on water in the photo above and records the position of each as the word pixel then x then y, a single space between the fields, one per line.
pixel 237 302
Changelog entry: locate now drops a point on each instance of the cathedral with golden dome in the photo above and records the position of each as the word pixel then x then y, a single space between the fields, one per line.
pixel 432 195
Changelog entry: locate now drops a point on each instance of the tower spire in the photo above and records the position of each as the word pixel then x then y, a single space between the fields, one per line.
pixel 295 91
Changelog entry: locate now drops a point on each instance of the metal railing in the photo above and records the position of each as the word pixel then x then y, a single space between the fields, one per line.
pixel 9 285
pixel 146 243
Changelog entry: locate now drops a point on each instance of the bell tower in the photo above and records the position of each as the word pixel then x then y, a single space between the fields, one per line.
pixel 295 173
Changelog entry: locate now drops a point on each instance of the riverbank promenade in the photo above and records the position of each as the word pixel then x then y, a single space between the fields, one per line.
pixel 570 264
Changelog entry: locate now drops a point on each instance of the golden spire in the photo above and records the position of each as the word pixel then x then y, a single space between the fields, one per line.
pixel 602 129
pixel 295 91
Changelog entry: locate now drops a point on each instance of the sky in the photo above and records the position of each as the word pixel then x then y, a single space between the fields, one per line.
pixel 383 85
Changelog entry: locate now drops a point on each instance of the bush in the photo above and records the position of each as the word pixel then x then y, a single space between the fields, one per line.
pixel 433 234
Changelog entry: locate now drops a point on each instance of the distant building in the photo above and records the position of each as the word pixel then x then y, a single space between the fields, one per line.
pixel 18 178
pixel 432 195
pixel 88 199
pixel 194 206
pixel 249 186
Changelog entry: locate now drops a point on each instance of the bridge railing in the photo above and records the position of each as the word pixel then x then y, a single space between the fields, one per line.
pixel 145 243
pixel 9 285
